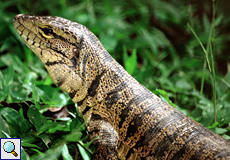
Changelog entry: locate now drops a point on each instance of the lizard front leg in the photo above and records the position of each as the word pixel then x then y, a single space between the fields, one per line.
pixel 106 145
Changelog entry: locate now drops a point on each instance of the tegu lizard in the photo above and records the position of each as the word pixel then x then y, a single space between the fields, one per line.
pixel 131 122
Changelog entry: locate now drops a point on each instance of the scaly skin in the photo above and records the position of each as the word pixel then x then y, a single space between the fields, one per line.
pixel 131 122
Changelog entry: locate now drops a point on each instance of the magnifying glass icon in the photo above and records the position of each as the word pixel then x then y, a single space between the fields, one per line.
pixel 9 147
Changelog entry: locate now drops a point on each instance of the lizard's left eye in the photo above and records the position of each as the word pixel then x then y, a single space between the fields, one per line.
pixel 47 31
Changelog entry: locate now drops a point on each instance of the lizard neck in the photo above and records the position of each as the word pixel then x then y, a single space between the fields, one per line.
pixel 103 81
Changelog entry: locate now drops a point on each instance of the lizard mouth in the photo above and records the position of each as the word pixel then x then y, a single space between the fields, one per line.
pixel 28 31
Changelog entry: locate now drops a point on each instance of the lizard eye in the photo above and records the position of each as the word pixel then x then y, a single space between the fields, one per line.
pixel 47 31
pixel 76 53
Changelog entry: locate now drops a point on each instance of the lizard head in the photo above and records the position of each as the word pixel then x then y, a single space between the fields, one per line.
pixel 65 48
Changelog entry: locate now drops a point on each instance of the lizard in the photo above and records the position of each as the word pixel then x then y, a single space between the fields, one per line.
pixel 130 121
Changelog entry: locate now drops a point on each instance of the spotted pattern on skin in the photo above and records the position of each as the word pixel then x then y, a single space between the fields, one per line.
pixel 131 122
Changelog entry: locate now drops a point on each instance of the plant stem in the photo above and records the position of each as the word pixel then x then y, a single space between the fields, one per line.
pixel 212 49
pixel 206 54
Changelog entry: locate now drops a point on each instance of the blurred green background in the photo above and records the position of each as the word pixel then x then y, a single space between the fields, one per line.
pixel 150 38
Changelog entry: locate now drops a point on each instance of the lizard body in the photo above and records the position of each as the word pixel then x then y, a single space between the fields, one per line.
pixel 131 122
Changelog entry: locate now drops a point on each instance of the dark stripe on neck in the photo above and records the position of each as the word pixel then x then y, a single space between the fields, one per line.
pixel 92 90
pixel 113 97
pixel 87 108
pixel 81 102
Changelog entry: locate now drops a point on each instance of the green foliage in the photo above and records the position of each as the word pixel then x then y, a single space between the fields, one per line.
pixel 149 38
pixel 43 138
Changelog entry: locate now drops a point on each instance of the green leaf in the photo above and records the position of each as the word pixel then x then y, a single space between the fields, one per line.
pixel 1 80
pixel 36 118
pixel 14 119
pixel 130 62
pixel 4 128
pixel 46 139
pixel 226 137
pixel 214 125
pixel 49 126
pixel 183 84
pixel 87 144
pixel 51 154
pixel 4 92
pixel 29 145
pixel 30 138
pixel 65 153
pixel 24 156
pixel 7 59
pixel 76 123
pixel 75 136
pixel 59 126
pixel 8 76
pixel 220 130
pixel 52 97
pixel 219 19
pixel 35 94
pixel 83 152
